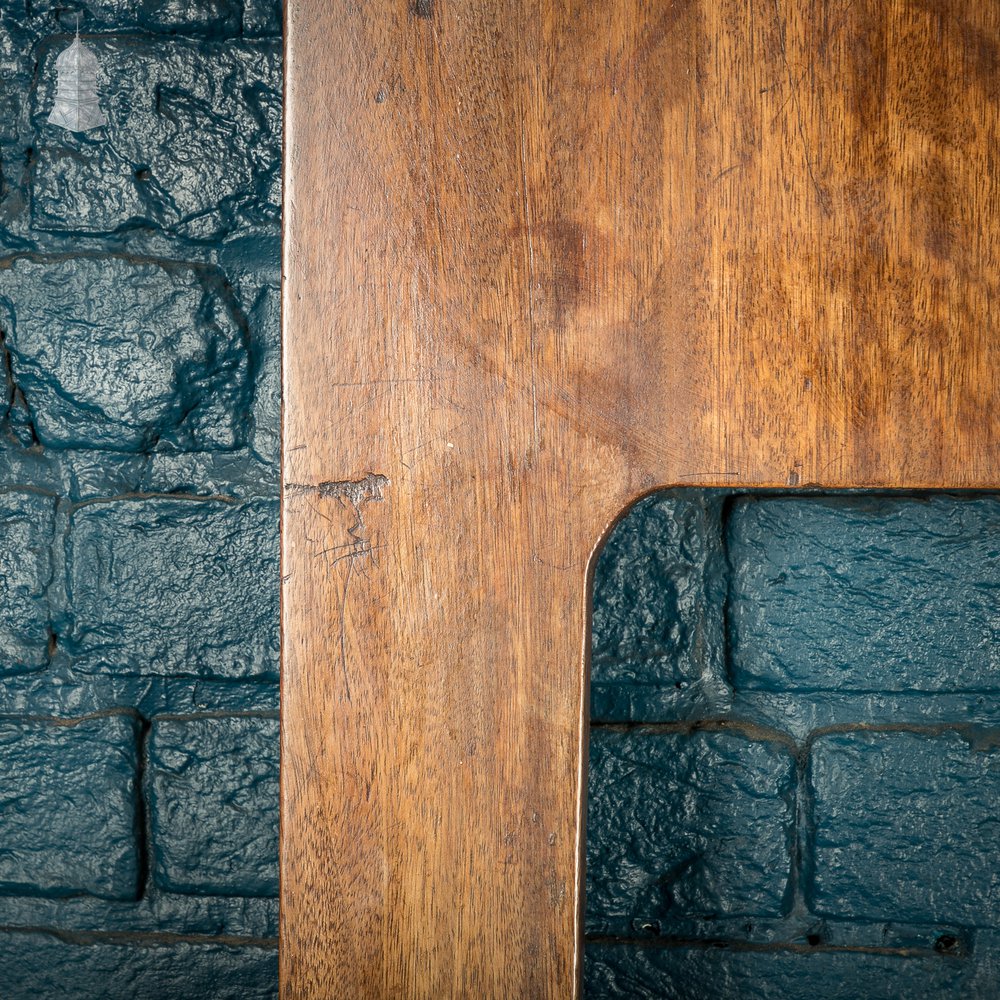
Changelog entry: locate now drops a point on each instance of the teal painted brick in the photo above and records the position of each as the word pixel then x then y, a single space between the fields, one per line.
pixel 865 594
pixel 111 354
pixel 208 17
pixel 906 827
pixel 686 824
pixel 657 627
pixel 214 805
pixel 843 609
pixel 192 145
pixel 684 973
pixel 68 808
pixel 27 524
pixel 46 967
pixel 262 17
pixel 173 587
pixel 141 354
pixel 265 324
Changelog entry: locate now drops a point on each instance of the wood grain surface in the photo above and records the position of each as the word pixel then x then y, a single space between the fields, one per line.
pixel 541 258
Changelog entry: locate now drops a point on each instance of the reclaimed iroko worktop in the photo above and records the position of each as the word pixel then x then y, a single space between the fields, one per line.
pixel 541 258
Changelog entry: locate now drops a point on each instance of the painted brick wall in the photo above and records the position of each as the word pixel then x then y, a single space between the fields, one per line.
pixel 138 505
pixel 795 750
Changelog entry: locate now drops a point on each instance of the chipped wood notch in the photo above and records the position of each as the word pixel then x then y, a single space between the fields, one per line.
pixel 353 492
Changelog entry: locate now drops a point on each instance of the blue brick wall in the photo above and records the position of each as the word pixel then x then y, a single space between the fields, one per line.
pixel 795 749
pixel 139 294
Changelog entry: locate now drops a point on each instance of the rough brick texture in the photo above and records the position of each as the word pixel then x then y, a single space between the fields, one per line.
pixel 907 827
pixel 174 587
pixel 680 973
pixel 819 819
pixel 43 965
pixel 122 356
pixel 190 145
pixel 209 17
pixel 26 536
pixel 656 636
pixel 139 326
pixel 69 808
pixel 866 594
pixel 686 824
pixel 214 804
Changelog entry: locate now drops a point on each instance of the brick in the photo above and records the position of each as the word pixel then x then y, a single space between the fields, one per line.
pixel 214 805
pixel 173 587
pixel 131 357
pixel 905 827
pixel 47 967
pixel 262 17
pixel 862 594
pixel 192 145
pixel 209 17
pixel 68 808
pixel 612 972
pixel 684 825
pixel 27 524
pixel 265 323
pixel 659 587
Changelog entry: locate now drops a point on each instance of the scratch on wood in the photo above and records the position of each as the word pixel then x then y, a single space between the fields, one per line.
pixel 821 194
pixel 728 170
pixel 345 672
pixel 357 493
pixel 699 475
pixel 369 383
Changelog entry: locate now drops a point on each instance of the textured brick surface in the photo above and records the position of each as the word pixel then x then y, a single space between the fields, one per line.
pixel 866 594
pixel 214 805
pixel 68 808
pixel 116 355
pixel 26 535
pixel 907 827
pixel 656 636
pixel 192 144
pixel 847 849
pixel 140 331
pixel 686 824
pixel 265 322
pixel 679 973
pixel 45 967
pixel 211 17
pixel 262 17
pixel 175 587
